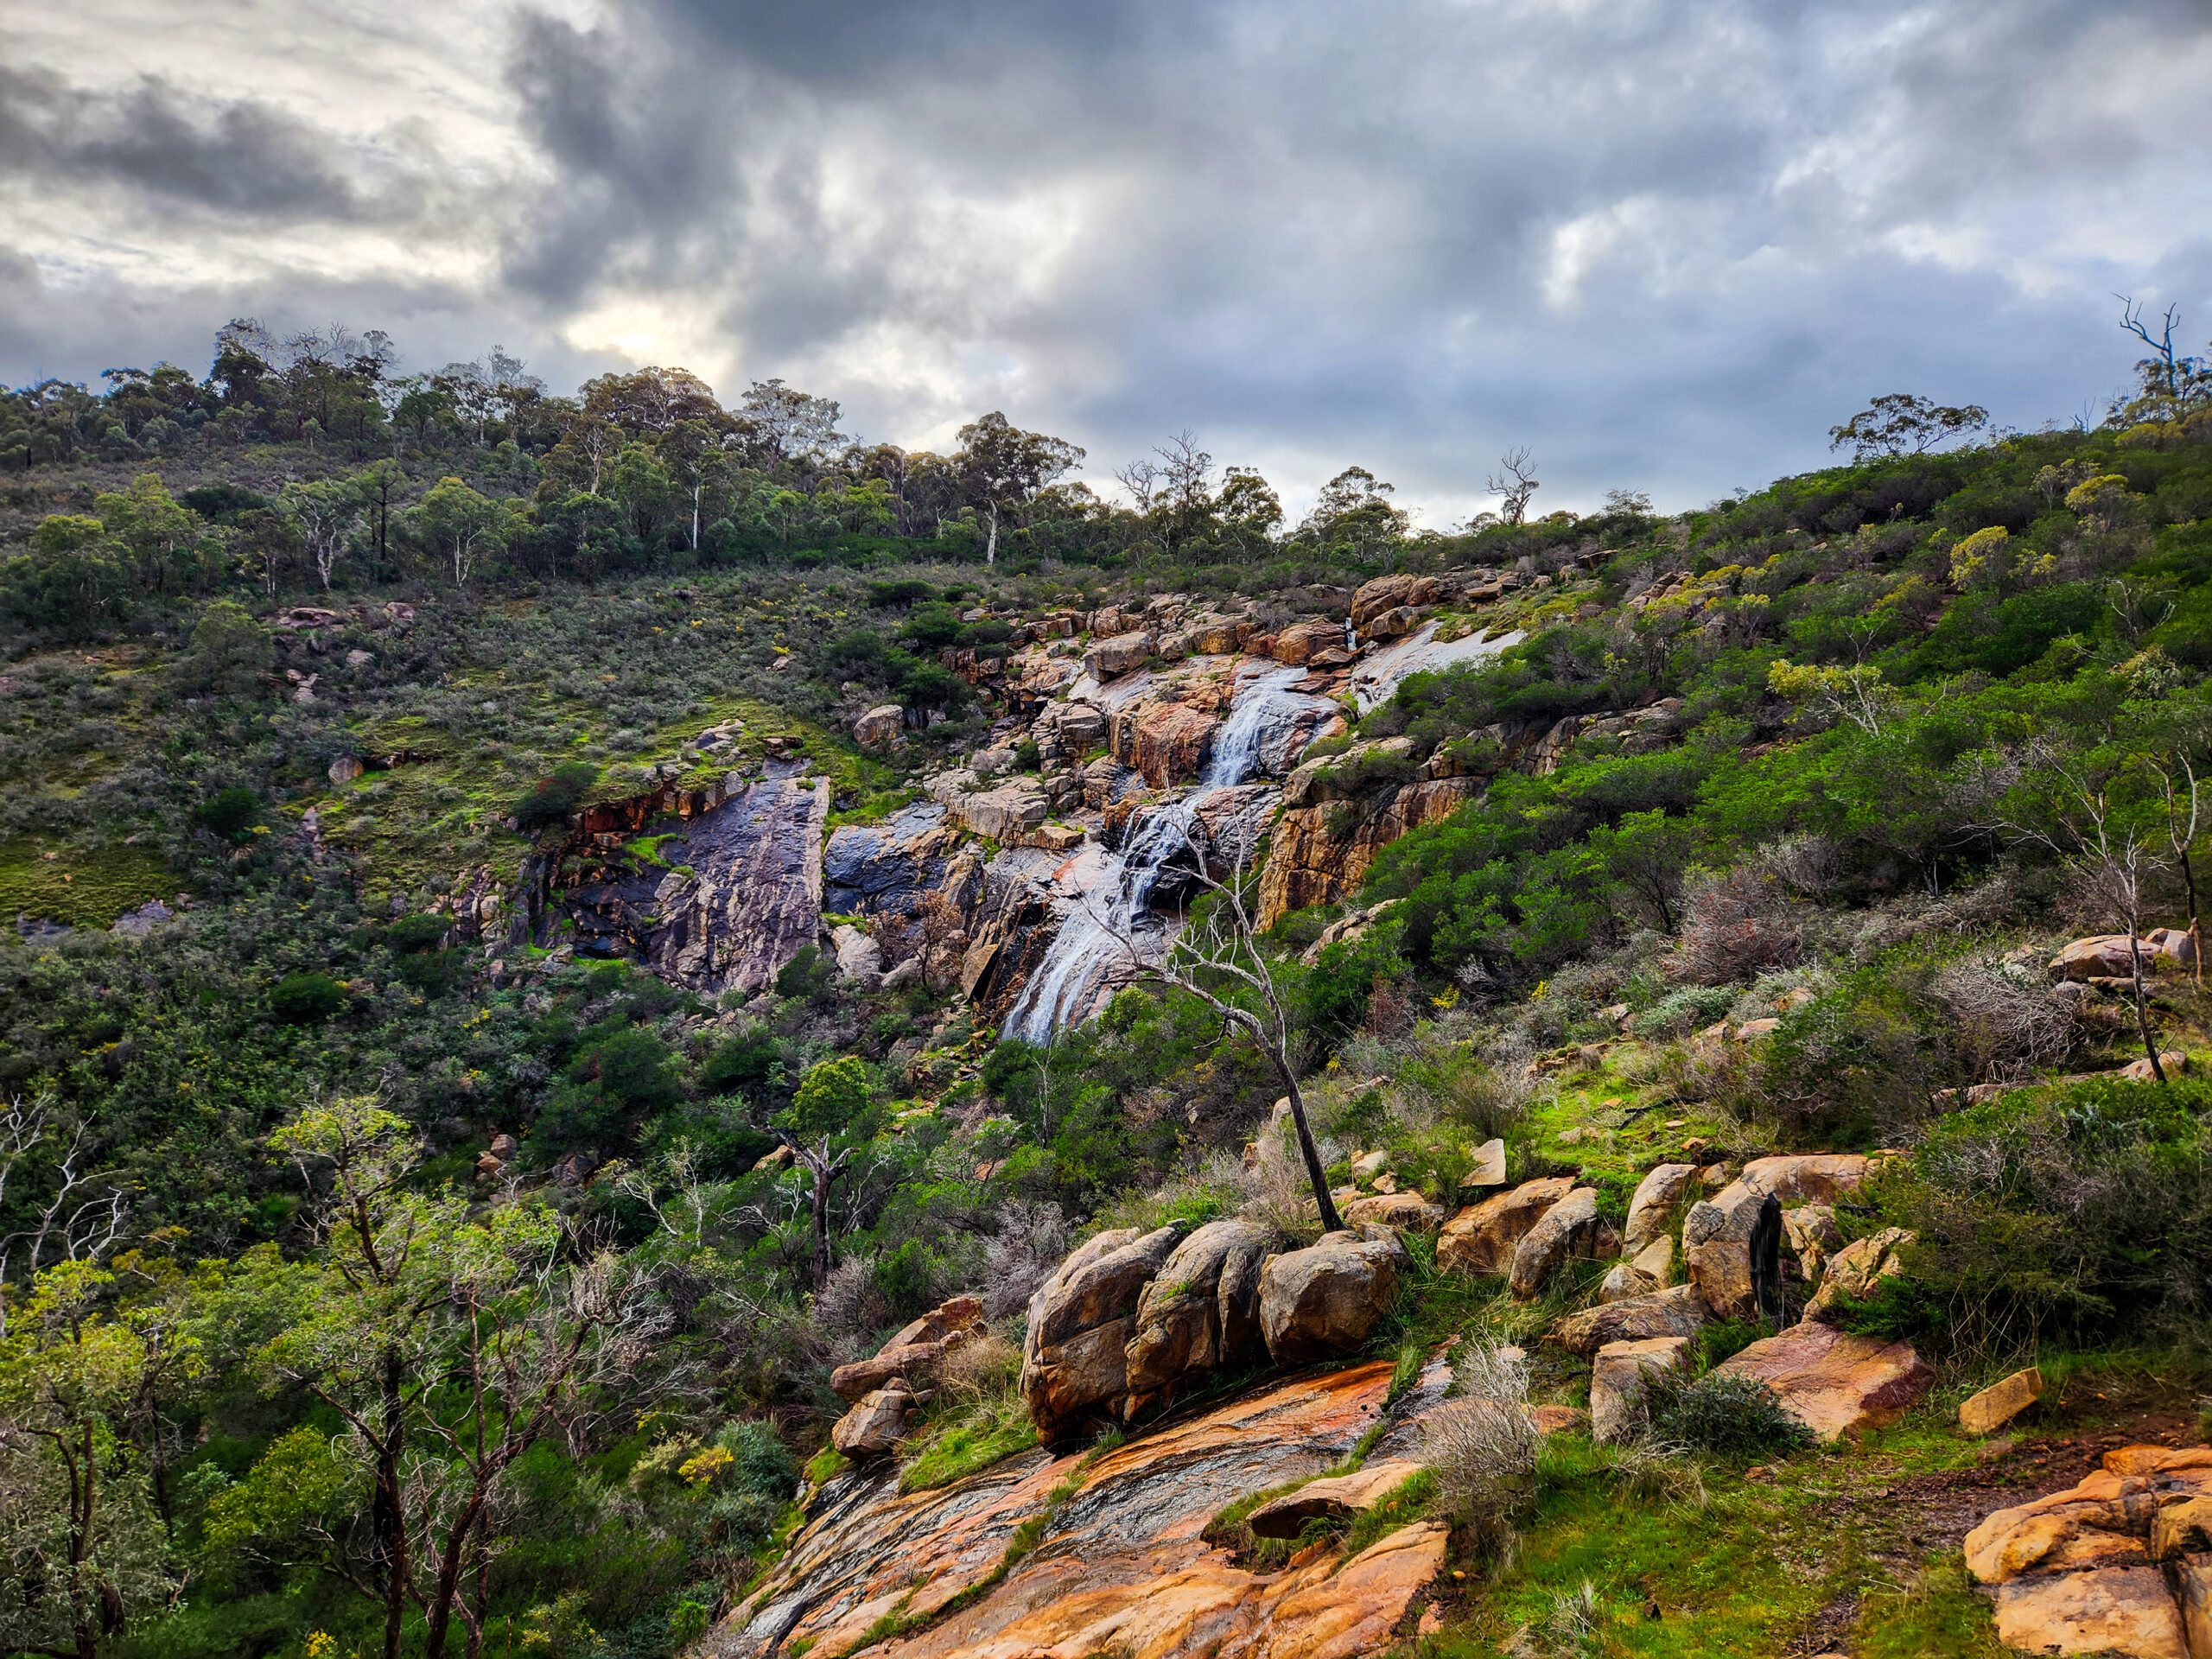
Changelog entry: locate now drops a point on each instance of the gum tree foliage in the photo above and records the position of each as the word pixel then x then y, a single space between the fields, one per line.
pixel 447 1343
pixel 1905 423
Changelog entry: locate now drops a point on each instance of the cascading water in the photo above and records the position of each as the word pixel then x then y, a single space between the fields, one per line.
pixel 1097 932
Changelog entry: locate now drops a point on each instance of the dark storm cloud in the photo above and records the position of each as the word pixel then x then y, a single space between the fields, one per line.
pixel 236 155
pixel 1339 227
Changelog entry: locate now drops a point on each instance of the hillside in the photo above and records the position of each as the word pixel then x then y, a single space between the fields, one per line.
pixel 635 1026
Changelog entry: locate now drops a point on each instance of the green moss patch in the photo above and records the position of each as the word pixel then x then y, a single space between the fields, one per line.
pixel 79 888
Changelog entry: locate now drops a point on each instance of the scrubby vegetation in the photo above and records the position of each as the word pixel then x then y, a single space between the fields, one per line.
pixel 301 655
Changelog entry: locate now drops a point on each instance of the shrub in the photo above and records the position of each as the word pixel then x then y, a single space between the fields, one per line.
pixel 1723 1339
pixel 1031 1242
pixel 306 999
pixel 982 1368
pixel 903 590
pixel 555 797
pixel 807 977
pixel 228 813
pixel 1728 1415
pixel 1483 1448
pixel 1737 923
pixel 742 1063
pixel 1854 1063
pixel 230 651
pixel 1488 1094
pixel 906 1279
pixel 1689 1009
pixel 2004 1018
pixel 2084 1210
pixel 409 934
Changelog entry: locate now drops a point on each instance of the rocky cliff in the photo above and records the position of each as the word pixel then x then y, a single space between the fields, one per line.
pixel 1115 727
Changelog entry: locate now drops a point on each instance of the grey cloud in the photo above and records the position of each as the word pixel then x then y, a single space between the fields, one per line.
pixel 235 156
pixel 1668 244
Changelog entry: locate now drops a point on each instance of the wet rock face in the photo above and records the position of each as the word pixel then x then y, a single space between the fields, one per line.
pixel 1339 1497
pixel 740 897
pixel 1121 1567
pixel 884 868
pixel 2120 1563
pixel 1421 651
pixel 1162 742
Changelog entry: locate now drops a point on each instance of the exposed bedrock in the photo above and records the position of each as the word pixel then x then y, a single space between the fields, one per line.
pixel 731 892
pixel 1120 1566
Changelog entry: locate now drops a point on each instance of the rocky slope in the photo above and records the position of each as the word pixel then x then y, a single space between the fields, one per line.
pixel 982 885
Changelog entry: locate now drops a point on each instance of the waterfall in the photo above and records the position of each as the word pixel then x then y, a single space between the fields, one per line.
pixel 1089 942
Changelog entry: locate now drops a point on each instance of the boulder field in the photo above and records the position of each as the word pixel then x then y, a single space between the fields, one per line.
pixel 1109 1548
pixel 1131 1321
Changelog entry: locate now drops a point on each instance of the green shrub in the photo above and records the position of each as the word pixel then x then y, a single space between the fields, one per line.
pixel 807 977
pixel 1723 1339
pixel 555 797
pixel 230 812
pixel 1689 1009
pixel 306 999
pixel 2083 1209
pixel 903 590
pixel 417 932
pixel 1727 1415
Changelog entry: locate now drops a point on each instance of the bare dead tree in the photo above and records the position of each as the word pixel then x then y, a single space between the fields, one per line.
pixel 2163 364
pixel 1514 484
pixel 85 1210
pixel 2183 828
pixel 1186 471
pixel 1215 958
pixel 1141 480
pixel 544 1347
pixel 2138 612
pixel 2113 863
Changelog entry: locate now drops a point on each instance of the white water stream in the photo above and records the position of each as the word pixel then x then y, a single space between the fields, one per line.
pixel 1092 939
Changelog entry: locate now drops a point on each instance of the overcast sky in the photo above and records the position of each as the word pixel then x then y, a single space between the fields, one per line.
pixel 1665 246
